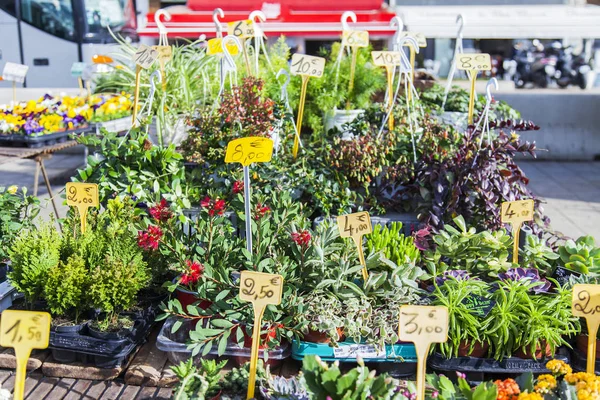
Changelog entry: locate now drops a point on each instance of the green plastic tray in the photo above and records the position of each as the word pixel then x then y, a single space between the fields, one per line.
pixel 347 352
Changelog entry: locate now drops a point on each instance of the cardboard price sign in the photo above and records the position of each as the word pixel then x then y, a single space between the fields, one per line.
pixel 145 56
pixel 515 213
pixel 419 37
pixel 165 53
pixel 474 62
pixel 305 65
pixel 355 38
pixel 386 58
pixel 586 304
pixel 249 150
pixel 77 69
pixel 423 325
pixel 355 226
pixel 261 290
pixel 214 46
pixel 14 72
pixel 83 196
pixel 242 29
pixel 24 331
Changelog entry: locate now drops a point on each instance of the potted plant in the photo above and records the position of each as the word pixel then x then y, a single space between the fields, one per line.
pixel 319 315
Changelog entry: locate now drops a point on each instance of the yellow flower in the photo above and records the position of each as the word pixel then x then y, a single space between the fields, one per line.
pixel 574 378
pixel 531 396
pixel 12 189
pixel 558 367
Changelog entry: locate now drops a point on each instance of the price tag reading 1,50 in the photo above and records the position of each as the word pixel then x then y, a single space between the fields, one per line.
pixel 303 64
pixel 474 62
pixel 145 56
pixel 242 29
pixel 386 58
pixel 249 150
pixel 355 38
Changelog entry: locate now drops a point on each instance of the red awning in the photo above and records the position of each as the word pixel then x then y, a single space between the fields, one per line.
pixel 289 18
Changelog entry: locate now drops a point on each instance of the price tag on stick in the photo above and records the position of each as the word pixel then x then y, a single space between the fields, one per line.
pixel 355 226
pixel 246 151
pixel 423 325
pixel 243 29
pixel 165 53
pixel 214 47
pixel 83 196
pixel 144 57
pixel 473 63
pixel 24 331
pixel 261 290
pixel 586 304
pixel 515 213
pixel 305 66
pixel 390 60
pixel 16 73
pixel 354 39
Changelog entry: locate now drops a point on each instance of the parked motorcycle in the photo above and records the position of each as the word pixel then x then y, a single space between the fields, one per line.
pixel 570 69
pixel 533 66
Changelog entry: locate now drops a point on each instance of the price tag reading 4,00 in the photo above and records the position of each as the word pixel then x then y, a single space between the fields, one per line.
pixel 352 225
pixel 517 211
pixel 355 38
pixel 307 65
pixel 249 150
pixel 261 288
pixel 474 62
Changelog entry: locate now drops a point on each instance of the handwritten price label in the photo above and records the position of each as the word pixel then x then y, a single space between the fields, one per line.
pixel 386 58
pixel 145 56
pixel 214 46
pixel 423 324
pixel 14 72
pixel 77 69
pixel 258 287
pixel 79 193
pixel 516 212
pixel 355 38
pixel 242 29
pixel 419 37
pixel 164 52
pixel 249 150
pixel 26 329
pixel 303 64
pixel 474 62
pixel 354 225
pixel 586 304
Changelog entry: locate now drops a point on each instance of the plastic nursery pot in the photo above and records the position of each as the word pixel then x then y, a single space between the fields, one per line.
pixel 187 297
pixel 543 350
pixel 321 337
pixel 479 349
pixel 74 329
pixel 98 334
pixel 581 341
pixel 264 338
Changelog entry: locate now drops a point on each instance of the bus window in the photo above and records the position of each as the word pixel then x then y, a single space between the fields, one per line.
pixel 52 16
pixel 104 13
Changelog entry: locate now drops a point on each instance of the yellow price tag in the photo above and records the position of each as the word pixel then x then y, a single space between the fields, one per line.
pixel 249 150
pixel 306 65
pixel 83 196
pixel 355 38
pixel 214 46
pixel 261 290
pixel 386 58
pixel 24 331
pixel 423 325
pixel 164 52
pixel 355 226
pixel 145 56
pixel 243 29
pixel 419 37
pixel 586 304
pixel 474 62
pixel 515 213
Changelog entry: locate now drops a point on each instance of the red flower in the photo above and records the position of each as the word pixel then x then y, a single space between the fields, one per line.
pixel 149 239
pixel 194 273
pixel 238 187
pixel 161 211
pixel 215 207
pixel 301 238
pixel 260 211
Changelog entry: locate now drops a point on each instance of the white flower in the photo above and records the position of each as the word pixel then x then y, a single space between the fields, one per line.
pixel 5 394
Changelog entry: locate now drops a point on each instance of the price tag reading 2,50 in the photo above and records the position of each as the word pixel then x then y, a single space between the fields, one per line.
pixel 586 304
pixel 303 64
pixel 249 150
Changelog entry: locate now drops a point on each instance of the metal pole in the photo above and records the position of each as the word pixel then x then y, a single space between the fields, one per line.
pixel 247 209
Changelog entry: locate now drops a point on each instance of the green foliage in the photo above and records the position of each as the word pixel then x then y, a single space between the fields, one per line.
pixel 446 390
pixel 236 380
pixel 581 255
pixel 66 285
pixel 393 244
pixel 17 211
pixel 197 382
pixel 536 254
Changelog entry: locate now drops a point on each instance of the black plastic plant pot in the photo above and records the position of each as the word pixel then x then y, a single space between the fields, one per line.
pixel 64 356
pixel 108 336
pixel 68 329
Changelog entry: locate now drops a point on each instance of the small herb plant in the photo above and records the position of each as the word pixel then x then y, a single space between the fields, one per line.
pixel 393 244
pixel 17 212
pixel 581 255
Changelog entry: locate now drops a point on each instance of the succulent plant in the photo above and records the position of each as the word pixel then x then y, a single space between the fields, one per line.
pixel 280 388
pixel 581 255
pixel 459 274
pixel 530 274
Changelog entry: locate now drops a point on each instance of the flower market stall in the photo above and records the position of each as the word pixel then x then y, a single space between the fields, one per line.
pixel 285 226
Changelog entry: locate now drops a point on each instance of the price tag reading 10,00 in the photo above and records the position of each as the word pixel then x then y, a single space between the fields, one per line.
pixel 145 56
pixel 261 290
pixel 423 325
pixel 24 331
pixel 386 58
pixel 303 64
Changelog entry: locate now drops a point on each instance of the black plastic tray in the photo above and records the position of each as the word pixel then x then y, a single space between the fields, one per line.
pixel 480 369
pixel 15 140
pixel 579 361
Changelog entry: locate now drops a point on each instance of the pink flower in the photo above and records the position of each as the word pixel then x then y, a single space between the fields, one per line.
pixel 149 239
pixel 161 211
pixel 301 238
pixel 194 273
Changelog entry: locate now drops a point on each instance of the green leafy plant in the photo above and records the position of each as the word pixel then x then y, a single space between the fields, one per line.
pixel 581 255
pixel 236 380
pixel 393 244
pixel 65 287
pixel 197 382
pixel 17 212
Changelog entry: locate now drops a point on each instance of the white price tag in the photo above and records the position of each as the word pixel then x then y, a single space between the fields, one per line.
pixel 145 56
pixel 77 69
pixel 355 350
pixel 14 72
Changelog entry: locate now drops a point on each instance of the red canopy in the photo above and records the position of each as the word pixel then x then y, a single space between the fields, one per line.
pixel 309 18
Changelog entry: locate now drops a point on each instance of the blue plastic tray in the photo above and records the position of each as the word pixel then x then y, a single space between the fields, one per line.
pixel 347 352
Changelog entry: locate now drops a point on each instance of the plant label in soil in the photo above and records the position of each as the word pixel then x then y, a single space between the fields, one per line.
pixel 145 56
pixel 14 72
pixel 562 275
pixel 474 62
pixel 24 331
pixel 586 304
pixel 515 213
pixel 249 150
pixel 306 65
pixel 419 37
pixel 261 290
pixel 242 29
pixel 478 305
pixel 423 325
pixel 77 69
pixel 214 46
pixel 355 38
pixel 164 52
pixel 83 196
pixel 355 226
pixel 386 58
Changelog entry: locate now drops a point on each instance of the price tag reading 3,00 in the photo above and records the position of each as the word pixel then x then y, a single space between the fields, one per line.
pixel 474 62
pixel 307 65
pixel 423 324
pixel 261 288
pixel 249 150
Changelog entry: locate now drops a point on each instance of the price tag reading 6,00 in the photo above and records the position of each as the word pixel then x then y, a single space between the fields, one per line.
pixel 249 150
pixel 307 65
pixel 243 29
pixel 355 38
pixel 261 288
